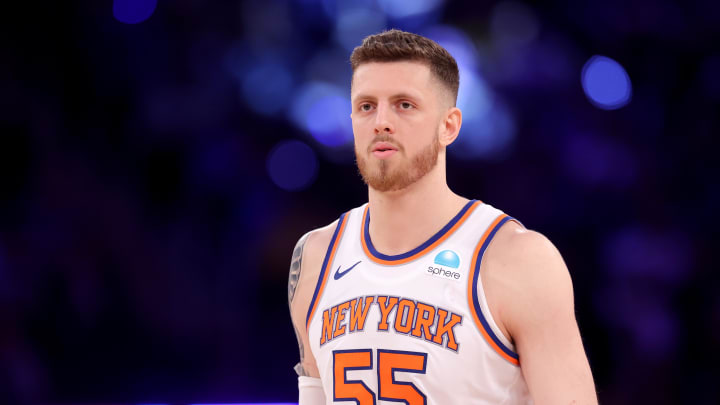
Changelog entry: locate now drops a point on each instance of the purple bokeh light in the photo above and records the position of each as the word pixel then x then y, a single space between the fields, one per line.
pixel 133 11
pixel 513 24
pixel 595 160
pixel 639 252
pixel 292 165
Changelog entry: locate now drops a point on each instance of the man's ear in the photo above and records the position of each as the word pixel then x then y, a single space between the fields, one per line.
pixel 450 126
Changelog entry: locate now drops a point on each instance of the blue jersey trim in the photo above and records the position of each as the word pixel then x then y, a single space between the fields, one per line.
pixel 418 249
pixel 324 268
pixel 476 300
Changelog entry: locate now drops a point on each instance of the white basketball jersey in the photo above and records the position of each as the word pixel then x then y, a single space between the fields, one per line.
pixel 412 328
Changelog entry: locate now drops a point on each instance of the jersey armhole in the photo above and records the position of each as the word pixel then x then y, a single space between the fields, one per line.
pixel 325 270
pixel 478 303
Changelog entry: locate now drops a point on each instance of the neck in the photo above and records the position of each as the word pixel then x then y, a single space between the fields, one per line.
pixel 402 220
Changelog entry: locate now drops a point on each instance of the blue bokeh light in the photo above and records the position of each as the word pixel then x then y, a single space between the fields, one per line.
pixel 323 118
pixel 409 8
pixel 459 44
pixel 475 98
pixel 292 165
pixel 488 127
pixel 352 25
pixel 133 11
pixel 266 87
pixel 335 8
pixel 323 110
pixel 490 139
pixel 606 83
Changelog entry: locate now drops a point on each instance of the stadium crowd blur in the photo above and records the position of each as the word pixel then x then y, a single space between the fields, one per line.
pixel 160 159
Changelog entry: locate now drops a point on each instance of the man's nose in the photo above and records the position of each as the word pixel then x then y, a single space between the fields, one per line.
pixel 383 122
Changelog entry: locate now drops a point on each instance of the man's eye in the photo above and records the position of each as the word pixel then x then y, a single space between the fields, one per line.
pixel 365 107
pixel 405 105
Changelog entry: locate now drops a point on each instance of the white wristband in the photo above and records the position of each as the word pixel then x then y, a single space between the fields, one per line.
pixel 311 391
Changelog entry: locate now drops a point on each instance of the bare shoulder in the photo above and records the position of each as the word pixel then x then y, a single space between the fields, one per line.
pixel 317 244
pixel 530 295
pixel 307 258
pixel 519 251
pixel 525 278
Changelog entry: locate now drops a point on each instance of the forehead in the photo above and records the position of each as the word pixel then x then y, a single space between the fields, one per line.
pixel 386 78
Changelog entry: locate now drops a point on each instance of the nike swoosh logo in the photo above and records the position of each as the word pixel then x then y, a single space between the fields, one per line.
pixel 339 273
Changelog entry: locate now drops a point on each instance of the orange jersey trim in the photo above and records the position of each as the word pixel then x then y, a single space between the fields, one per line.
pixel 473 279
pixel 329 256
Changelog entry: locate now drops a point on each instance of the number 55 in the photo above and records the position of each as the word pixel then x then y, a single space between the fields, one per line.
pixel 388 362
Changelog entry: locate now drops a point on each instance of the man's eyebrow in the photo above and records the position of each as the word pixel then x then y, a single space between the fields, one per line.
pixel 396 96
pixel 363 97
pixel 404 95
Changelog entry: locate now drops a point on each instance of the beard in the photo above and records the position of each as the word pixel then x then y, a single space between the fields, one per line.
pixel 383 175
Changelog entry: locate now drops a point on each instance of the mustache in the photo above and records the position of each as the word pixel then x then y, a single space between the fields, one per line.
pixel 385 138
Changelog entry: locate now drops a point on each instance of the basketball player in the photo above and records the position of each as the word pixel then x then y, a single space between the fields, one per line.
pixel 422 296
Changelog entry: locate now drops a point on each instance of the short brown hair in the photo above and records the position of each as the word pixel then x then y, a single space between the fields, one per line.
pixel 395 45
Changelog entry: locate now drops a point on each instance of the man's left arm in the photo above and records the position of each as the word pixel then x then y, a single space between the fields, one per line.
pixel 539 316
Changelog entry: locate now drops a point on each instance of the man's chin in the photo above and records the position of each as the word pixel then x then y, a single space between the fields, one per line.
pixel 386 183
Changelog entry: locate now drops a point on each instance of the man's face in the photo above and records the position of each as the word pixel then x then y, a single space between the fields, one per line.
pixel 396 113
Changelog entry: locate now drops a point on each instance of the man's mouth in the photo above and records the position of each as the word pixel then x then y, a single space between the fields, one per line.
pixel 383 150
pixel 383 147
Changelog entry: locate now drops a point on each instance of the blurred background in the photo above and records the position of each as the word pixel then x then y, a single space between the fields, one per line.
pixel 159 160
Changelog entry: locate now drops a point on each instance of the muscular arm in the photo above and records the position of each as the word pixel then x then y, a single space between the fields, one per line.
pixel 532 293
pixel 304 272
pixel 295 267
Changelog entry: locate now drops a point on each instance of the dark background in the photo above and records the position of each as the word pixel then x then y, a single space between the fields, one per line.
pixel 158 162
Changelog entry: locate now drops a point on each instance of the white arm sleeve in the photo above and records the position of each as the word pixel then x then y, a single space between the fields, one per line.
pixel 311 391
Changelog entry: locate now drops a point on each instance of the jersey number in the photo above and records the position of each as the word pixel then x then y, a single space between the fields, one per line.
pixel 388 363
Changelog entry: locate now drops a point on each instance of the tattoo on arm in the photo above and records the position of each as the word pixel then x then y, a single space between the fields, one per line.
pixel 299 369
pixel 295 267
